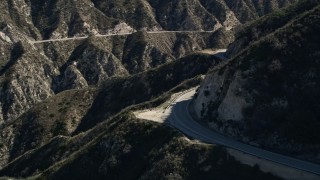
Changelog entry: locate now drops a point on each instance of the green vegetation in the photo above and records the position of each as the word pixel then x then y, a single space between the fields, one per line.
pixel 73 111
pixel 149 150
pixel 287 78
pixel 121 140
pixel 1 143
pixel 118 93
pixel 90 132
pixel 279 81
pixel 255 30
pixel 53 117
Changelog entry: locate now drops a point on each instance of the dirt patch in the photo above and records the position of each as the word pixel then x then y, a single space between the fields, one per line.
pixel 271 167
pixel 157 115
pixel 211 51
pixel 162 112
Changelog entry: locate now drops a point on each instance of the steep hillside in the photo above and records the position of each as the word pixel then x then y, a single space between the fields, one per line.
pixel 53 19
pixel 74 111
pixel 251 32
pixel 65 105
pixel 143 149
pixel 34 72
pixel 101 16
pixel 45 143
pixel 30 73
pixel 268 93
pixel 248 10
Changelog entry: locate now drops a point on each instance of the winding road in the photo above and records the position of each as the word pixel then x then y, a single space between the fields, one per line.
pixel 181 119
pixel 116 34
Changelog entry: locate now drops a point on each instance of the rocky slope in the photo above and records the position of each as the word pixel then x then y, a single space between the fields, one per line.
pixel 34 72
pixel 53 140
pixel 73 18
pixel 143 149
pixel 251 32
pixel 30 73
pixel 74 111
pixel 268 93
pixel 62 99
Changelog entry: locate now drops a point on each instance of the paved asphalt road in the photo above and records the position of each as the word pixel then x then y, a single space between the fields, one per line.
pixel 181 119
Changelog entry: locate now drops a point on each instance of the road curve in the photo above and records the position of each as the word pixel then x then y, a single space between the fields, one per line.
pixel 181 119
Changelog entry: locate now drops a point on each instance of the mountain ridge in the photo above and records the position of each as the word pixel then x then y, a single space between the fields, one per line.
pixel 256 96
pixel 66 106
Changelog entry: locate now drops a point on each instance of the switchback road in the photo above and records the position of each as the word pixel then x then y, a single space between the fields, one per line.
pixel 181 119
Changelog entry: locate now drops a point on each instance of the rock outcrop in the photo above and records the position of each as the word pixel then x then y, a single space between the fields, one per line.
pixel 30 73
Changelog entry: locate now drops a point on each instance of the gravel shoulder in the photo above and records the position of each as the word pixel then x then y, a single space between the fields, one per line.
pixel 161 113
pixel 276 169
